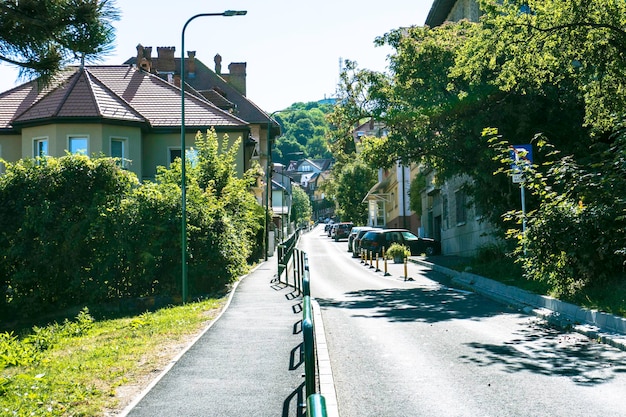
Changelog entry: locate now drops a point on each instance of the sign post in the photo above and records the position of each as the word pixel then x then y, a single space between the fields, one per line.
pixel 522 156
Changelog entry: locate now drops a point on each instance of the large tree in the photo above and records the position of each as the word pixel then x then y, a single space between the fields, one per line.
pixel 41 36
pixel 550 73
pixel 350 184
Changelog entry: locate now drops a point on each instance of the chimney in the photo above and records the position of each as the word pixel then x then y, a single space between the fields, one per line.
pixel 166 59
pixel 218 64
pixel 144 60
pixel 191 64
pixel 237 76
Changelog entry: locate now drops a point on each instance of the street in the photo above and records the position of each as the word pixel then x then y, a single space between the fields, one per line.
pixel 420 348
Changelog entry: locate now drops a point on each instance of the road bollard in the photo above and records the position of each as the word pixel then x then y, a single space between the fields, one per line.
pixel 406 273
pixel 377 270
pixel 371 260
pixel 386 273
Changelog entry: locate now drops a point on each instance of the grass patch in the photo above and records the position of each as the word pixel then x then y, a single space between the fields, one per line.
pixel 85 367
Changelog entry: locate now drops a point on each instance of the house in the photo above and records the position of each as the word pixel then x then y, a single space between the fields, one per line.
pixel 226 90
pixel 281 200
pixel 310 174
pixel 452 11
pixel 114 110
pixel 388 200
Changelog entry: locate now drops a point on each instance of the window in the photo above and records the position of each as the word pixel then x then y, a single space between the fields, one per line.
pixel 174 153
pixel 444 210
pixel 461 207
pixel 78 145
pixel 118 151
pixel 40 147
pixel 191 155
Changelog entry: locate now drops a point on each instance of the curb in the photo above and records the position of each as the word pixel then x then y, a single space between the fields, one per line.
pixel 603 327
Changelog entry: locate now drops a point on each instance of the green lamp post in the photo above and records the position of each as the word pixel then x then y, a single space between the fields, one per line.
pixel 183 184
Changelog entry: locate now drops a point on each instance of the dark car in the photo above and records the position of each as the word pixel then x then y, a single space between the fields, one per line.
pixel 341 230
pixel 353 232
pixel 375 240
pixel 356 241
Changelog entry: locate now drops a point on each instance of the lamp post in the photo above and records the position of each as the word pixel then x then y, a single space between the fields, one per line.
pixel 183 185
pixel 268 174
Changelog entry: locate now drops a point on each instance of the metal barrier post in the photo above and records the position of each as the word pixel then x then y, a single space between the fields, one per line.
pixel 296 267
pixel 316 406
pixel 306 282
pixel 309 346
pixel 406 274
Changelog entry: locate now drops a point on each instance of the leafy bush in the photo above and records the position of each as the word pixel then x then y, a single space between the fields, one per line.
pixel 576 237
pixel 396 250
pixel 80 231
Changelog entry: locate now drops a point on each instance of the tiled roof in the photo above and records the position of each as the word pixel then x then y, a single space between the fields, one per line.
pixel 80 97
pixel 219 100
pixel 117 92
pixel 439 11
pixel 206 79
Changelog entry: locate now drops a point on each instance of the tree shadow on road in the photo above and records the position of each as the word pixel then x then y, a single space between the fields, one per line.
pixel 428 304
pixel 542 349
pixel 536 346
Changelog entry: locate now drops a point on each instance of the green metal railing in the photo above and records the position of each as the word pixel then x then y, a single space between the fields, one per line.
pixel 294 262
pixel 316 406
pixel 309 346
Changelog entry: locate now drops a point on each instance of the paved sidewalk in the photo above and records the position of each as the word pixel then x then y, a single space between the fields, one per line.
pixel 246 364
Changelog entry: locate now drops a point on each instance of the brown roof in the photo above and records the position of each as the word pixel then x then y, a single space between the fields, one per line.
pixel 439 11
pixel 113 92
pixel 206 80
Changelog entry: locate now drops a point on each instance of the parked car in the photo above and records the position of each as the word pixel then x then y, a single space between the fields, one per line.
pixel 375 240
pixel 356 242
pixel 353 232
pixel 341 230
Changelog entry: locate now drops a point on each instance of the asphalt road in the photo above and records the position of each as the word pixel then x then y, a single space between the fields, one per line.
pixel 421 348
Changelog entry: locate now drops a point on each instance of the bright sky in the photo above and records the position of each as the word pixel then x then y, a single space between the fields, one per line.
pixel 292 47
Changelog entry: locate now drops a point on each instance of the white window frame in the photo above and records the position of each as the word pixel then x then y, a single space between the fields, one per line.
pixel 124 161
pixel 191 154
pixel 77 137
pixel 36 142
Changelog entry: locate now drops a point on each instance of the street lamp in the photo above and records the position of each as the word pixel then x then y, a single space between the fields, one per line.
pixel 268 174
pixel 183 185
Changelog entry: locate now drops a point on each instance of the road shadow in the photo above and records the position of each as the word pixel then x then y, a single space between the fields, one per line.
pixel 428 304
pixel 542 349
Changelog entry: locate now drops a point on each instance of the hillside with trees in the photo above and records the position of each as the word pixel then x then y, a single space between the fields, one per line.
pixel 304 132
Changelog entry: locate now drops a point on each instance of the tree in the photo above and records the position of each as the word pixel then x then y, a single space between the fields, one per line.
pixel 520 71
pixel 351 184
pixel 534 43
pixel 301 210
pixel 304 130
pixel 41 36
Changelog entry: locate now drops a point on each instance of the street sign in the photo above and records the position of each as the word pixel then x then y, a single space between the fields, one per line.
pixel 522 156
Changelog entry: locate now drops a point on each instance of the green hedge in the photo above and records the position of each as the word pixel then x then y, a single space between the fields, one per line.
pixel 79 231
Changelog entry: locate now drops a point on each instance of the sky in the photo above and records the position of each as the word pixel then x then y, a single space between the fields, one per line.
pixel 292 48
